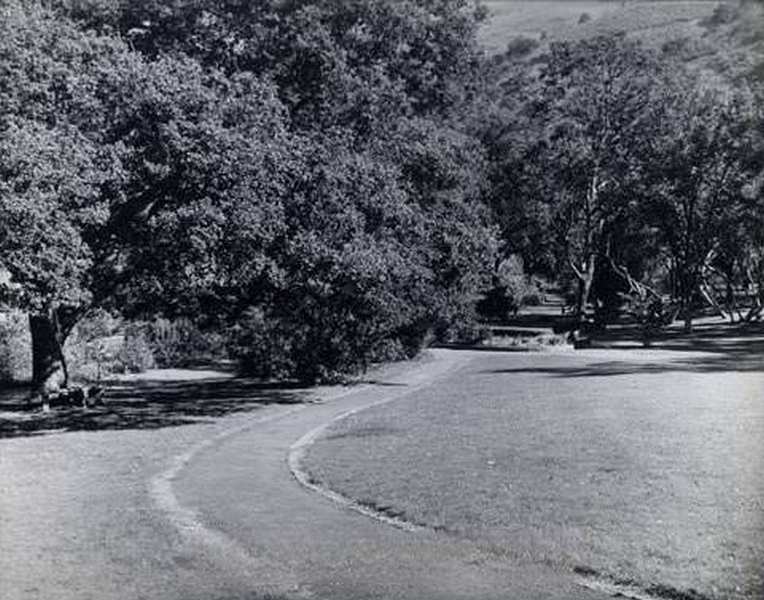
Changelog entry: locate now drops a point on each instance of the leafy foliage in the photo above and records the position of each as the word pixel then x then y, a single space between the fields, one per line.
pixel 292 170
pixel 699 188
pixel 569 179
pixel 15 347
pixel 624 165
pixel 512 289
pixel 333 181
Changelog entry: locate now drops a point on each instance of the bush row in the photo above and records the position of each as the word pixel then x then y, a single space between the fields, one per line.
pixel 102 345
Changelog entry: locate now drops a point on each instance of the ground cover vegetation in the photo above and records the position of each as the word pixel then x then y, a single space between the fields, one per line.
pixel 320 184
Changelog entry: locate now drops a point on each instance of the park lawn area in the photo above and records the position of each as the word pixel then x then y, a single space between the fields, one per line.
pixel 640 466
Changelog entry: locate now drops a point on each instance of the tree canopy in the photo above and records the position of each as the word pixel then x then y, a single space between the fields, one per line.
pixel 331 182
pixel 613 162
pixel 299 161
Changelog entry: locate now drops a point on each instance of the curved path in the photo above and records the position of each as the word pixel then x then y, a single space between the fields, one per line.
pixel 236 496
pixel 135 510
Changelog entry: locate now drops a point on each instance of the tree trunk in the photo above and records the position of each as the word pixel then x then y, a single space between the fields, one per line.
pixel 48 364
pixel 593 233
pixel 585 281
pixel 730 293
pixel 688 286
pixel 686 311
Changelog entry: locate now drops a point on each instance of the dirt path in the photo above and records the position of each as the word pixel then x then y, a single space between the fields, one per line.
pixel 211 511
pixel 77 517
pixel 82 509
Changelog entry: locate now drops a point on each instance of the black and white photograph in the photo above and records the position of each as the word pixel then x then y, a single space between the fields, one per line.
pixel 381 299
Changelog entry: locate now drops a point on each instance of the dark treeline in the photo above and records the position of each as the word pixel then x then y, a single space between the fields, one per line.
pixel 332 182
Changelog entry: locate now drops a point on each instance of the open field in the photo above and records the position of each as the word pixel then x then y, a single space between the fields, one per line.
pixel 559 20
pixel 691 30
pixel 641 466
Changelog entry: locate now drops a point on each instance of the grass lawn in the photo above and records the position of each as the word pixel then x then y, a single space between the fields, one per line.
pixel 645 466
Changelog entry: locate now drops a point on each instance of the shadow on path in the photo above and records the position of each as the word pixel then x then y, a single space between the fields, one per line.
pixel 149 404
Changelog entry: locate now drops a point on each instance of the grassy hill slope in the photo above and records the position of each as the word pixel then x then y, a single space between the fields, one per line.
pixel 726 37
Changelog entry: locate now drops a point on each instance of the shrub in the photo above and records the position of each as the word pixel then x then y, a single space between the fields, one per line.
pixel 102 344
pixel 539 342
pixel 179 342
pixel 326 345
pixel 687 48
pixel 415 337
pixel 263 347
pixel 91 347
pixel 511 276
pixel 135 354
pixel 723 14
pixel 388 350
pixel 675 47
pixel 584 18
pixel 521 46
pixel 534 293
pixel 512 290
pixel 15 348
pixel 462 328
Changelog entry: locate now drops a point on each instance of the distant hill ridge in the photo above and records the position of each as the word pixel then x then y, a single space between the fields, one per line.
pixel 724 37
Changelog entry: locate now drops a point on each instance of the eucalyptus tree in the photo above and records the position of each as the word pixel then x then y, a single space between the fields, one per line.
pixel 704 194
pixel 596 106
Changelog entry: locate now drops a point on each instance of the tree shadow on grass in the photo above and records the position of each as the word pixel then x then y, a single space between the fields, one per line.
pixel 149 405
pixel 610 368
pixel 710 349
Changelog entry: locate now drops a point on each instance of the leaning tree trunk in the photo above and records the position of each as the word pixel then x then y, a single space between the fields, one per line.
pixel 594 227
pixel 687 298
pixel 585 278
pixel 49 372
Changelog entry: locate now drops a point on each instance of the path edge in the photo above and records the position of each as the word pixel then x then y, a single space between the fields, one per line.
pixel 299 449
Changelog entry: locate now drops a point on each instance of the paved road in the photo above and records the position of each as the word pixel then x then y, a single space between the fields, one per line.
pixel 238 497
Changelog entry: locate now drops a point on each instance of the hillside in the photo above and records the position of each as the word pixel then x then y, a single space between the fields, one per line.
pixel 723 37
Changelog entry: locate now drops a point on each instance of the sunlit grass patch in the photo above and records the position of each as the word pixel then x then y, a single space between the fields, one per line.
pixel 639 468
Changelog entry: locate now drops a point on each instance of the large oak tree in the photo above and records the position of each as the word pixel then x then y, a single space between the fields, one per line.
pixel 299 160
